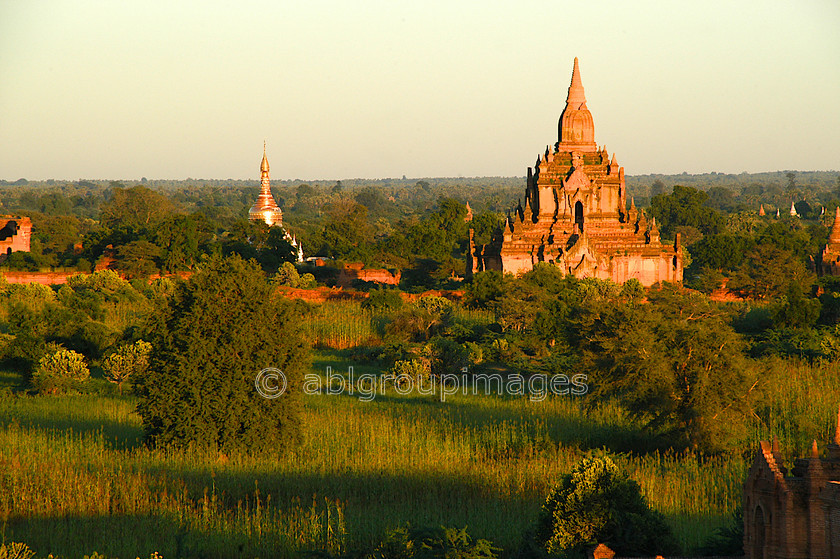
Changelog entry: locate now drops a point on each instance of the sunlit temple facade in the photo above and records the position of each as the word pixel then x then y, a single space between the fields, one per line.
pixel 576 214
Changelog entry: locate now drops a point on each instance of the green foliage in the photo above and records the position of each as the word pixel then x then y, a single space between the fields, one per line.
pixel 674 363
pixel 720 252
pixel 484 288
pixel 134 208
pixel 728 540
pixel 127 361
pixel 595 503
pixel 429 543
pixel 210 340
pixel 795 310
pixel 15 550
pixel 685 206
pixel 138 259
pixel 413 369
pixel 383 299
pixel 707 281
pixel 448 357
pixel 59 370
pixel 633 289
pixel 434 304
pixel 287 275
pixel 767 271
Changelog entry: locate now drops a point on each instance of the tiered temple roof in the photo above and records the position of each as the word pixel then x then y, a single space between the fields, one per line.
pixel 575 213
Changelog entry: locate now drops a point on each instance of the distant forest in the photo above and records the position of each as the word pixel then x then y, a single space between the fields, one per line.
pixel 747 190
pixel 417 226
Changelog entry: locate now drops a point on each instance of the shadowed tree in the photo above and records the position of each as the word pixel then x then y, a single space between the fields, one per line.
pixel 675 363
pixel 210 340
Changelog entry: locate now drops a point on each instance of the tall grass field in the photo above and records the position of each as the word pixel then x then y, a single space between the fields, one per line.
pixel 75 477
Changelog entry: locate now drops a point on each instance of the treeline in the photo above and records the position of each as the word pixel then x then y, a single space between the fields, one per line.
pixel 417 227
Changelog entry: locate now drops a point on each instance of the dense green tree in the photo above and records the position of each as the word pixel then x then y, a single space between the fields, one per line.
pixel 485 226
pixel 382 299
pixel 135 208
pixel 767 271
pixel 720 252
pixel 675 363
pixel 347 234
pixel 210 341
pixel 721 199
pixel 685 206
pixel 595 503
pixel 182 239
pixel 54 203
pixel 484 288
pixel 138 259
pixel 795 310
pixel 790 234
pixel 129 360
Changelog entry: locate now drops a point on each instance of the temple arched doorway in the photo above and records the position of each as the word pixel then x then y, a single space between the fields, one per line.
pixel 579 215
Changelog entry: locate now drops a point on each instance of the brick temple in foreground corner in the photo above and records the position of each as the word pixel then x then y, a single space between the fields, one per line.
pixel 793 516
pixel 576 214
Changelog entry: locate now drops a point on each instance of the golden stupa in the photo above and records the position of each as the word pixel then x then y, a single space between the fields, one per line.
pixel 265 208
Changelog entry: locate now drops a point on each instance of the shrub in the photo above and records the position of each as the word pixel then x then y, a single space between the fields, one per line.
pixel 13 550
pixel 429 543
pixel 59 370
pixel 409 371
pixel 595 503
pixel 287 275
pixel 383 300
pixel 127 361
pixel 434 304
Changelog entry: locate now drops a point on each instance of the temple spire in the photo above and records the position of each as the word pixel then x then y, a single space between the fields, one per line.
pixel 577 131
pixel 576 98
pixel 264 163
pixel 265 208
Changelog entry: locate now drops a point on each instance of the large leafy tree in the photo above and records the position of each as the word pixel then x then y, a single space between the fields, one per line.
pixel 767 271
pixel 210 340
pixel 137 208
pixel 686 206
pixel 674 362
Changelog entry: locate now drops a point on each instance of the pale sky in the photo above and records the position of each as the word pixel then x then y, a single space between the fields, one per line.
pixel 124 89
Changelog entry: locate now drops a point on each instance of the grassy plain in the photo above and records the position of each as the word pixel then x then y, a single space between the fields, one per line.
pixel 75 477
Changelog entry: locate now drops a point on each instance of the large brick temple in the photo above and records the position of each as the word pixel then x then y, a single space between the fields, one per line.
pixel 576 214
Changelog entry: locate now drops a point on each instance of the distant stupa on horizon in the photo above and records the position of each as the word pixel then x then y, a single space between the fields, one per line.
pixel 266 209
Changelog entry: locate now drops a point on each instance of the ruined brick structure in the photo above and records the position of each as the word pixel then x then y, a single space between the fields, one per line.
pixel 793 516
pixel 829 262
pixel 576 214
pixel 14 234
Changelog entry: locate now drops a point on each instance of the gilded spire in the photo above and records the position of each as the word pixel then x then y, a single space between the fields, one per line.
pixel 265 208
pixel 576 98
pixel 264 163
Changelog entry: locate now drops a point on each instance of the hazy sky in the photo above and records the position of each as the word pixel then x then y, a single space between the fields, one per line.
pixel 123 89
